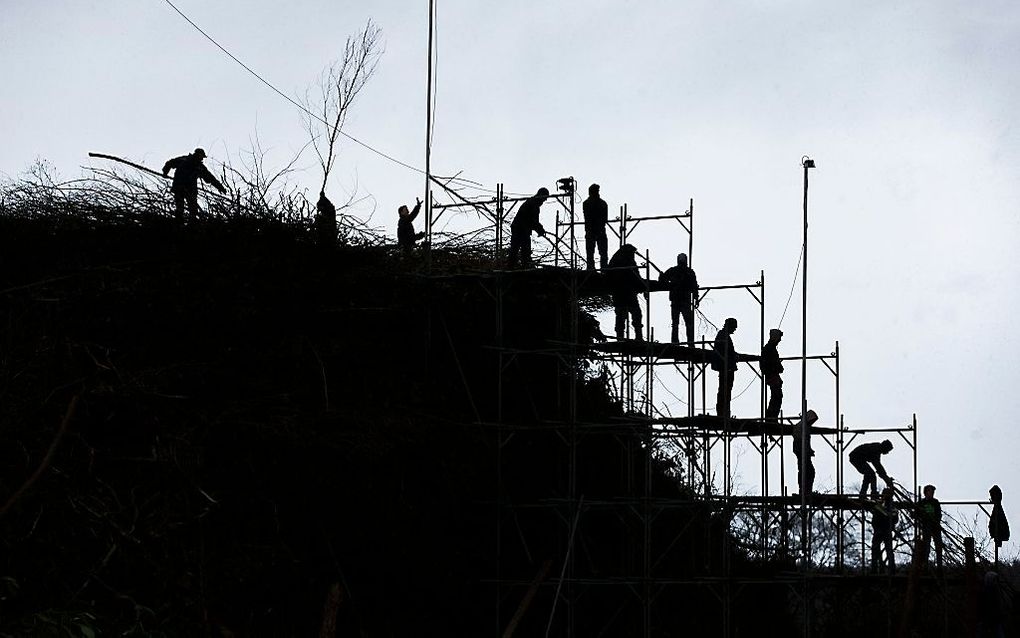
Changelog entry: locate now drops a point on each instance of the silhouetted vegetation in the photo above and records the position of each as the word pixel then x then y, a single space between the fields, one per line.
pixel 267 436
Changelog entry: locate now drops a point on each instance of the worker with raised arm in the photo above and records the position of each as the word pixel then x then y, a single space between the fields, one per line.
pixel 406 237
pixel 524 223
pixel 863 457
pixel 188 169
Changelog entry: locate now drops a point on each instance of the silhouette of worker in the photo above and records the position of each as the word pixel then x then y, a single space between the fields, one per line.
pixel 626 283
pixel 864 456
pixel 524 222
pixel 325 220
pixel 596 216
pixel 683 297
pixel 998 526
pixel 929 519
pixel 406 237
pixel 883 522
pixel 805 468
pixel 187 171
pixel 771 369
pixel 725 363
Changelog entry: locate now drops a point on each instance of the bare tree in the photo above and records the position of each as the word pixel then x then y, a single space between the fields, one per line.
pixel 327 105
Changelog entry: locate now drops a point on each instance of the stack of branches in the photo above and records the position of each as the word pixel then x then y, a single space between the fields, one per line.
pixel 110 196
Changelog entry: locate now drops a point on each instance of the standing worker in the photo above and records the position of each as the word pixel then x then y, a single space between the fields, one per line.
pixel 725 363
pixel 626 283
pixel 929 518
pixel 405 227
pixel 524 222
pixel 683 297
pixel 871 453
pixel 187 170
pixel 596 216
pixel 883 522
pixel 325 220
pixel 805 466
pixel 771 369
pixel 998 526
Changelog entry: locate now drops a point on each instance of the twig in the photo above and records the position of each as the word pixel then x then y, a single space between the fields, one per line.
pixel 46 459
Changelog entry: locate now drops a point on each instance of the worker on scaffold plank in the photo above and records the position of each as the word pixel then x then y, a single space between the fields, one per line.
pixel 524 223
pixel 596 216
pixel 626 283
pixel 771 369
pixel 683 297
pixel 725 363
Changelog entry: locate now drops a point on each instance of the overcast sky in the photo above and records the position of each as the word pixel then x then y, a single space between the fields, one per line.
pixel 909 108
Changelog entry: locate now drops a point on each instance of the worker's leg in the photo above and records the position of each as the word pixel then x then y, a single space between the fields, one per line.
pixel 870 479
pixel 603 244
pixel 674 316
pixel 688 314
pixel 621 320
pixel 636 319
pixel 864 469
pixel 589 250
pixel 876 550
pixel 775 385
pixel 722 401
pixel 922 547
pixel 890 557
pixel 515 249
pixel 178 205
pixel 193 205
pixel 937 533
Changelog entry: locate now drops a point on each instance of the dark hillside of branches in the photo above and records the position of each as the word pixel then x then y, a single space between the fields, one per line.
pixel 220 428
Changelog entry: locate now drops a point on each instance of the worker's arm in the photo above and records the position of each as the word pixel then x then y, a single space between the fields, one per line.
pixel 171 163
pixel 417 209
pixel 881 470
pixel 210 178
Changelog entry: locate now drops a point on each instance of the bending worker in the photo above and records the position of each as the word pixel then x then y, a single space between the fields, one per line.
pixel 864 456
pixel 187 170
pixel 524 222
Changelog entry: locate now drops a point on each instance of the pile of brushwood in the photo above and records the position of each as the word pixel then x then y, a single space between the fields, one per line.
pixel 221 428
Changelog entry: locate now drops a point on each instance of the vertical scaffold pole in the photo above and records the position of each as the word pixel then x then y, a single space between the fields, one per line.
pixel 428 143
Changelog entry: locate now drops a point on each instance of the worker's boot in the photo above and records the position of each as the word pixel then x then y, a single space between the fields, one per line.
pixel 674 335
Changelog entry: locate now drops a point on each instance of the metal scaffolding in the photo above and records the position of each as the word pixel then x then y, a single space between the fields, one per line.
pixel 649 527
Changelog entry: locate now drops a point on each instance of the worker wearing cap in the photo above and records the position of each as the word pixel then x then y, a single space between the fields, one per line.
pixel 863 457
pixel 187 170
pixel 771 369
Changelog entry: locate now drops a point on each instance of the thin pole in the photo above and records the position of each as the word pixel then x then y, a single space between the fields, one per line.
pixel 804 459
pixel 428 139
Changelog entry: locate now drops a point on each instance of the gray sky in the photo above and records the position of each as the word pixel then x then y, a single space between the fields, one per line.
pixel 909 108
